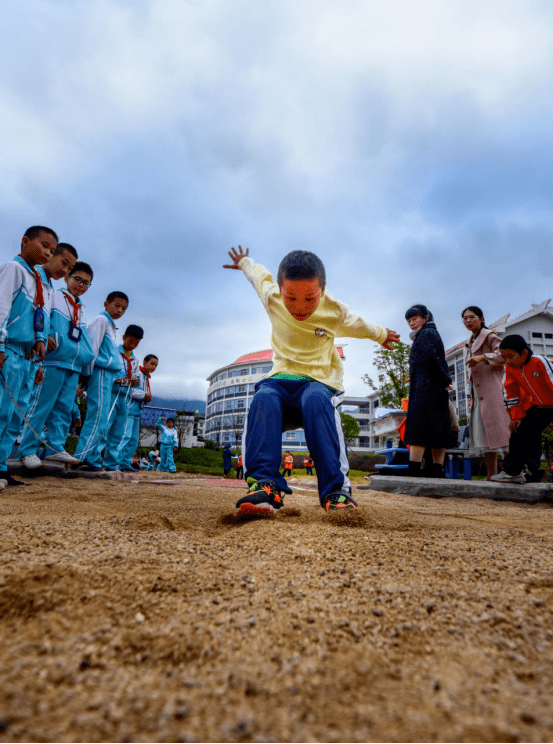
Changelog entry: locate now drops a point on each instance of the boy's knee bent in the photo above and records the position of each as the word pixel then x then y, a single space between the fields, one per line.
pixel 316 397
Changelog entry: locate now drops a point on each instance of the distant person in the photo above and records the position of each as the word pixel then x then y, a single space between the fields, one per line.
pixel 69 349
pixel 240 468
pixel 153 459
pixel 428 422
pixel 529 400
pixel 23 334
pixel 168 443
pixel 308 465
pixel 488 419
pixel 227 460
pixel 288 464
pixel 306 380
pixel 100 375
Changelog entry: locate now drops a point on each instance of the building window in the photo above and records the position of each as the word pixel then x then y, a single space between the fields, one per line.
pixel 290 435
pixel 537 335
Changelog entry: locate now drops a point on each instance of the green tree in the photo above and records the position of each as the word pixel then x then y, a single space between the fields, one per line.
pixel 392 366
pixel 350 427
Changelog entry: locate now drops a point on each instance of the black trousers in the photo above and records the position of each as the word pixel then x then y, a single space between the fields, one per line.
pixel 525 442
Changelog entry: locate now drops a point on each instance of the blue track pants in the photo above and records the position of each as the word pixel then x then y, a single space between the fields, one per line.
pixel 98 403
pixel 275 404
pixel 15 373
pixel 51 403
pixel 130 441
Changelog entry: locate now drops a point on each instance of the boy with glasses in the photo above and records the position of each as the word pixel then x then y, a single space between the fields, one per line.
pixel 69 349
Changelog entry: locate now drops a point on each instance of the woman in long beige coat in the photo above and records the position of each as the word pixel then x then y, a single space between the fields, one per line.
pixel 489 421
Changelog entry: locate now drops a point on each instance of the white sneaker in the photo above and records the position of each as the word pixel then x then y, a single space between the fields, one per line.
pixel 503 477
pixel 32 462
pixel 62 457
pixel 3 484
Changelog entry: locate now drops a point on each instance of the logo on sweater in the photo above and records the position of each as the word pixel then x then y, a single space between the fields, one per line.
pixel 320 332
pixel 536 374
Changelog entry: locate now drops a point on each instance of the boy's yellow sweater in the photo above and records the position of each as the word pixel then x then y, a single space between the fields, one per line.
pixel 307 347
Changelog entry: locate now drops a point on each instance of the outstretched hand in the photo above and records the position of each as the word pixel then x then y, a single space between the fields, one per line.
pixel 236 256
pixel 391 338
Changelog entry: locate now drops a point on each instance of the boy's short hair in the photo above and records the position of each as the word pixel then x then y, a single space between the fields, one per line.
pixel 514 342
pixel 117 296
pixel 301 265
pixel 84 267
pixel 150 356
pixel 61 247
pixel 34 232
pixel 170 419
pixel 135 331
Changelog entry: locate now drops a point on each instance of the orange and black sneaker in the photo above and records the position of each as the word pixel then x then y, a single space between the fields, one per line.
pixel 339 500
pixel 262 499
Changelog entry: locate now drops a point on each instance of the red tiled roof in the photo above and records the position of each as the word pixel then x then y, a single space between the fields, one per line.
pixel 267 355
pixel 256 356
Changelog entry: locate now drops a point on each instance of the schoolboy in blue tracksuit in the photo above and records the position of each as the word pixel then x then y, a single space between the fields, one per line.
pixel 102 371
pixel 53 401
pixel 22 329
pixel 58 266
pixel 121 398
pixel 169 439
pixel 141 396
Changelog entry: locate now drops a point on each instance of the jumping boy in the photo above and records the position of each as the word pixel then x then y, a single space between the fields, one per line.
pixel 169 440
pixel 69 349
pixel 121 397
pixel 102 371
pixel 141 396
pixel 22 329
pixel 306 380
pixel 529 399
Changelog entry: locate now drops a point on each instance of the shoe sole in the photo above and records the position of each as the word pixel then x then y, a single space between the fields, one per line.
pixel 258 510
pixel 32 467
pixel 66 461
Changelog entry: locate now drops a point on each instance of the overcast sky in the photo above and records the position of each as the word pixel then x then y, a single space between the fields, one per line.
pixel 407 142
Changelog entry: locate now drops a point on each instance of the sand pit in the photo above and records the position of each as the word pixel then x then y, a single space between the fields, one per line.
pixel 142 612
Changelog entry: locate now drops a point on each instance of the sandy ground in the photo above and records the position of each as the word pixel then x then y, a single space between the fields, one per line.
pixel 144 612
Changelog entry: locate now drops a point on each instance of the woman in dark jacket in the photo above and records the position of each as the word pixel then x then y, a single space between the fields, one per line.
pixel 428 422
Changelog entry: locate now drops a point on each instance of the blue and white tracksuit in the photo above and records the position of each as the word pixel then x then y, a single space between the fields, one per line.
pixel 132 432
pixel 121 400
pixel 105 368
pixel 169 439
pixel 52 402
pixel 17 337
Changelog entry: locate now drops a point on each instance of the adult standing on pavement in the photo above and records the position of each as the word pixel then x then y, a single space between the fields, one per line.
pixel 488 420
pixel 428 422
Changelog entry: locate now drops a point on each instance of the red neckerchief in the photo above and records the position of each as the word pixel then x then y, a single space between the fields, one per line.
pixel 39 297
pixel 129 365
pixel 147 376
pixel 76 306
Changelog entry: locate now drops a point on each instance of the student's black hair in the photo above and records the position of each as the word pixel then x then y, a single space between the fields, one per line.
pixel 150 356
pixel 301 265
pixel 477 311
pixel 34 232
pixel 421 310
pixel 84 267
pixel 514 342
pixel 61 247
pixel 117 296
pixel 135 331
pixel 171 419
